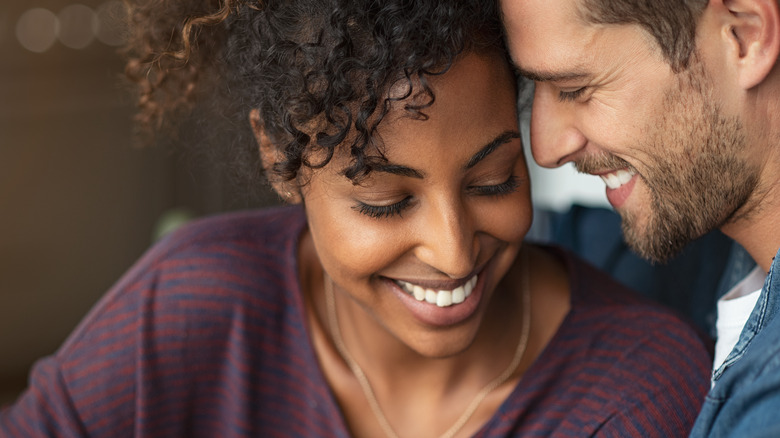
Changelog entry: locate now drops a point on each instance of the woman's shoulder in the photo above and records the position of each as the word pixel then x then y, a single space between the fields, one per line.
pixel 270 226
pixel 618 363
pixel 620 322
pixel 210 268
pixel 593 289
pixel 213 289
pixel 212 249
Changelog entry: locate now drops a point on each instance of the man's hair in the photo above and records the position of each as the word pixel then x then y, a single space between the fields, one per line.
pixel 671 22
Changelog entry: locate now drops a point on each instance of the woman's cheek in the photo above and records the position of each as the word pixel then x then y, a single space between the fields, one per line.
pixel 509 219
pixel 365 245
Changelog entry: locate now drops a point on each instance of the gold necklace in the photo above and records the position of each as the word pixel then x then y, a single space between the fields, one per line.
pixel 472 407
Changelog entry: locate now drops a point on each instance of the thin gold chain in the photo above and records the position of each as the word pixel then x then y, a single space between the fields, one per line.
pixel 472 407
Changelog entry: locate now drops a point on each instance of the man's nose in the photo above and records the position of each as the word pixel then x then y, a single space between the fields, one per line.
pixel 555 139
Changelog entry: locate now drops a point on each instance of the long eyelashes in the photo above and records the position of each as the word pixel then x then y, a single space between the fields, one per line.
pixel 508 186
pixel 569 96
pixel 386 211
pixel 382 211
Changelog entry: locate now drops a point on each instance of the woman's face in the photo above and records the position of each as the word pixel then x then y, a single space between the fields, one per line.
pixel 421 244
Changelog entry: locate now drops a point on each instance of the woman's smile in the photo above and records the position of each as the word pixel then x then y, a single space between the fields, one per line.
pixel 439 294
pixel 438 306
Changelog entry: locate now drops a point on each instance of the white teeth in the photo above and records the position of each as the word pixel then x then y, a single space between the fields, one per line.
pixel 419 293
pixel 612 181
pixel 444 298
pixel 441 298
pixel 616 179
pixel 458 295
pixel 625 176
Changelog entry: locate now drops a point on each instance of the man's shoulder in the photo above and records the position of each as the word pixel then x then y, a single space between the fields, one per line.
pixel 746 399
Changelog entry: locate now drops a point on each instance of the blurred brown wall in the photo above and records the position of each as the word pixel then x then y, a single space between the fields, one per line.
pixel 78 202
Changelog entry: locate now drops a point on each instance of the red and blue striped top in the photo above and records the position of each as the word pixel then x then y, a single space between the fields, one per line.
pixel 206 337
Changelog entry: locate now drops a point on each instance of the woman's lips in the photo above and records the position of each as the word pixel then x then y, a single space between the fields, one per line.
pixel 440 297
pixel 441 307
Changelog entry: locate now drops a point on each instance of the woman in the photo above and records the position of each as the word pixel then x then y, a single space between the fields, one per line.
pixel 397 298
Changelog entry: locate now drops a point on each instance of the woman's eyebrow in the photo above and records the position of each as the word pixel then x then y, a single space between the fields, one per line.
pixel 398 169
pixel 504 137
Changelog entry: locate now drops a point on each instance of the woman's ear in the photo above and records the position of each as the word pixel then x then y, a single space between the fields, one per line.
pixel 270 155
pixel 754 31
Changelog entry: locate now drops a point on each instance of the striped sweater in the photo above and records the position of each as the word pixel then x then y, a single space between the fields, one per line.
pixel 206 336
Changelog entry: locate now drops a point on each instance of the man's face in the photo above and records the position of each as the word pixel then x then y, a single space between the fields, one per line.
pixel 607 100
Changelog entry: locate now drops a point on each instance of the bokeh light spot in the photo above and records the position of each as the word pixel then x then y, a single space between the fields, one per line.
pixel 110 26
pixel 77 23
pixel 37 30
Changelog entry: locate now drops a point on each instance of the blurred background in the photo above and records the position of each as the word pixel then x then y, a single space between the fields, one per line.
pixel 79 201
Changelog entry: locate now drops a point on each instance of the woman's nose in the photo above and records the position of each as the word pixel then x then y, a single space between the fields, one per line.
pixel 448 241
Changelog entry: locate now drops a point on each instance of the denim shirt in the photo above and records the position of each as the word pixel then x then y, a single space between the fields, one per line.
pixel 745 401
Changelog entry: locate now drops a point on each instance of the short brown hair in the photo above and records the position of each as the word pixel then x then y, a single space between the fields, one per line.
pixel 671 22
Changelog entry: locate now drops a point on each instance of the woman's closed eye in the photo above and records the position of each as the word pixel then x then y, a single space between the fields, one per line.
pixel 382 211
pixel 508 186
pixel 397 208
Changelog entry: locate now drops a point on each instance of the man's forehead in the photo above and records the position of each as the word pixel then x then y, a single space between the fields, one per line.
pixel 548 42
pixel 543 14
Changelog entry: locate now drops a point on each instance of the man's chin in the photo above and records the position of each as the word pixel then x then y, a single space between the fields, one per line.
pixel 655 244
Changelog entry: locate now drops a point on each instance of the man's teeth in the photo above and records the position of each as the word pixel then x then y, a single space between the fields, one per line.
pixel 441 298
pixel 616 179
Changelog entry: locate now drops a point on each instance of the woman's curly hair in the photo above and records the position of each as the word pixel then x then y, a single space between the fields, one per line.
pixel 318 71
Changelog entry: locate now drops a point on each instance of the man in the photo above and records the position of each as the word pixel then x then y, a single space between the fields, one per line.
pixel 675 104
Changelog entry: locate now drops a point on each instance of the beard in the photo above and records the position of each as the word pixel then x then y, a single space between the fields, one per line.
pixel 697 177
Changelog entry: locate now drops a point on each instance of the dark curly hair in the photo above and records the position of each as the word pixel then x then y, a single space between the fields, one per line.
pixel 318 71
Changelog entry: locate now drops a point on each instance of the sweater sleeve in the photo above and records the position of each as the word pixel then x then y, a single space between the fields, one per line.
pixel 663 398
pixel 87 388
pixel 198 339
pixel 45 409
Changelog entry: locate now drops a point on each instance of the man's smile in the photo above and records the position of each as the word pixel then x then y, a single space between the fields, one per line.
pixel 614 180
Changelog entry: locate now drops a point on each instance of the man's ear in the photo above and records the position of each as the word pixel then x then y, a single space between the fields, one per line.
pixel 753 29
pixel 270 155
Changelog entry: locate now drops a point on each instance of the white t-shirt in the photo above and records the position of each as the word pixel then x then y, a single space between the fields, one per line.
pixel 734 309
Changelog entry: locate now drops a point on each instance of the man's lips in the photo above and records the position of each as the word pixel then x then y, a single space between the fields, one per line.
pixel 620 184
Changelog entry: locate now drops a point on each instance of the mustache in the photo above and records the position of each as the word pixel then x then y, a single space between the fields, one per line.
pixel 600 163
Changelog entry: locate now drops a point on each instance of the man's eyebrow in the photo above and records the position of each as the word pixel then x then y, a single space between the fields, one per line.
pixel 504 137
pixel 548 76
